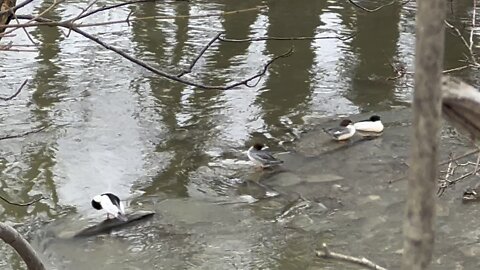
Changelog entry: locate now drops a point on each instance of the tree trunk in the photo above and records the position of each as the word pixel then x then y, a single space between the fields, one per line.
pixel 5 17
pixel 10 236
pixel 420 213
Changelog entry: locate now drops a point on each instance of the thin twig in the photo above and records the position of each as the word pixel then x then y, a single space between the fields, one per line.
pixel 16 93
pixel 14 136
pixel 81 25
pixel 400 70
pixel 378 8
pixel 23 204
pixel 464 41
pixel 474 10
pixel 223 39
pixel 204 49
pixel 16 50
pixel 325 253
pixel 298 204
pixel 83 11
pixel 81 16
pixel 440 164
pixel 25 31
pixel 244 82
pixel 451 182
pixel 445 182
pixel 33 18
pixel 456 69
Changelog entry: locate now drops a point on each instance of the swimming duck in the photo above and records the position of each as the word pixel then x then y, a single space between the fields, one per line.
pixel 261 157
pixel 111 204
pixel 344 132
pixel 373 124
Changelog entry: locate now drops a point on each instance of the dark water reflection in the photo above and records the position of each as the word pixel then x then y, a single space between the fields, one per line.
pixel 113 126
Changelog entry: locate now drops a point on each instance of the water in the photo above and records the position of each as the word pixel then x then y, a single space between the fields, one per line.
pixel 180 151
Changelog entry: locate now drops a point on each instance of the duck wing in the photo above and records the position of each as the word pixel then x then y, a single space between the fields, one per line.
pixel 266 157
pixel 337 132
pixel 112 208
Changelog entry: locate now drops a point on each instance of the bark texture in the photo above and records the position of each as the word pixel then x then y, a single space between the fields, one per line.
pixel 5 17
pixel 10 236
pixel 420 213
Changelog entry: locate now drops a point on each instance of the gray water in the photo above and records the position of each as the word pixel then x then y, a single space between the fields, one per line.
pixel 180 151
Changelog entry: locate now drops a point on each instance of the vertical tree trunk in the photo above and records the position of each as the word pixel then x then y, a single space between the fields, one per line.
pixel 5 16
pixel 420 214
pixel 10 236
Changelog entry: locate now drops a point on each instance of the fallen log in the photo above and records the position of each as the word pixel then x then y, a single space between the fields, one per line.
pixel 109 225
pixel 461 106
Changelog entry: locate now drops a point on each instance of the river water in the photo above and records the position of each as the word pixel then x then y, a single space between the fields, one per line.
pixel 111 125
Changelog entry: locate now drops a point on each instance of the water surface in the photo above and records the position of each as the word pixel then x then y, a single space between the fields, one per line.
pixel 180 151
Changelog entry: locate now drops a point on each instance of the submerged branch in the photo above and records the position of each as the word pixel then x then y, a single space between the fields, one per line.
pixel 14 136
pixel 440 164
pixel 325 253
pixel 23 204
pixel 16 93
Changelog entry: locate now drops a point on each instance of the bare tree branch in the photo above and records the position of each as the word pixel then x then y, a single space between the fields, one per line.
pixel 143 64
pixel 474 13
pixel 16 93
pixel 456 69
pixel 104 8
pixel 378 8
pixel 325 253
pixel 464 41
pixel 23 204
pixel 55 23
pixel 189 69
pixel 25 31
pixel 440 164
pixel 223 39
pixel 10 236
pixel 15 27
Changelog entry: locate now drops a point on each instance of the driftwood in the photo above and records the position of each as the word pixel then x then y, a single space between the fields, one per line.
pixel 110 225
pixel 325 253
pixel 10 236
pixel 461 106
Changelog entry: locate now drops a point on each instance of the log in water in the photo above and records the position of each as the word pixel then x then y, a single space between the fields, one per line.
pixel 110 225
